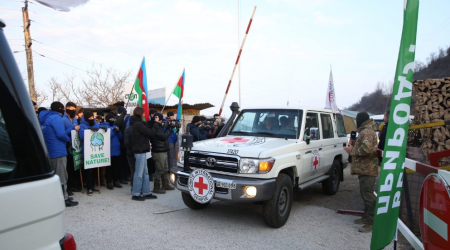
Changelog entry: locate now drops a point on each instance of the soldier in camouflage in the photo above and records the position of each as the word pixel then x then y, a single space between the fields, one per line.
pixel 365 165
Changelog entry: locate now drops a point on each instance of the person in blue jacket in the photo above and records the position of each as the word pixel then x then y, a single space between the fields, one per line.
pixel 112 172
pixel 88 122
pixel 56 138
pixel 70 124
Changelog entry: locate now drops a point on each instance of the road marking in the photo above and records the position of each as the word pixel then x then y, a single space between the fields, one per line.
pixel 436 224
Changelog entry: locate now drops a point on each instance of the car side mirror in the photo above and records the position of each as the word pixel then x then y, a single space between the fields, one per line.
pixel 308 139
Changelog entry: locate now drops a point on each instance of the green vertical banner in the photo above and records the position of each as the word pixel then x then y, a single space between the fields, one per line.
pixel 76 150
pixel 391 175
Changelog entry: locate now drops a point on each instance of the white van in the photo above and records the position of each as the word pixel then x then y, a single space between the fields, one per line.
pixel 31 198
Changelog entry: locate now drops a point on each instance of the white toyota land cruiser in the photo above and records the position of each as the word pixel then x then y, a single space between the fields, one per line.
pixel 265 155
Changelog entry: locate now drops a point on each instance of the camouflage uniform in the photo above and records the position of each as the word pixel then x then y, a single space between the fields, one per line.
pixel 365 165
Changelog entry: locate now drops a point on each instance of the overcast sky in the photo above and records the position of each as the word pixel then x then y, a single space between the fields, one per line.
pixel 287 54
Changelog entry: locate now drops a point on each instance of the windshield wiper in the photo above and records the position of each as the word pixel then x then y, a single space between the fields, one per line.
pixel 241 132
pixel 266 133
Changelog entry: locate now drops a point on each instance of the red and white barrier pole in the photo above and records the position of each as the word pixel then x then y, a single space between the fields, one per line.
pixel 237 61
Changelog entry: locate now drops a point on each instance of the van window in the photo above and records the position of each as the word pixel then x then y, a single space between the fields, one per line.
pixel 340 126
pixel 312 126
pixel 7 159
pixel 327 126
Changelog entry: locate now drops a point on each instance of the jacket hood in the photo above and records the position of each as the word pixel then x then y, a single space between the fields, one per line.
pixel 44 115
pixel 134 119
pixel 369 124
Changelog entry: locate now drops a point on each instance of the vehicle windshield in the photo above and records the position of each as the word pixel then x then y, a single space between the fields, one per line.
pixel 280 123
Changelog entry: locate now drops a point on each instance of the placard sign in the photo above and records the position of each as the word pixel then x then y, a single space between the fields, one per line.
pixel 97 149
pixel 76 150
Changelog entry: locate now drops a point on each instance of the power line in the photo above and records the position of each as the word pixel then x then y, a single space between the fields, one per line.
pixel 59 61
pixel 63 51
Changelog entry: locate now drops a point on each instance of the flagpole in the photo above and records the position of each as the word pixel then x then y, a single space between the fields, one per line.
pixel 237 61
pixel 132 88
pixel 176 83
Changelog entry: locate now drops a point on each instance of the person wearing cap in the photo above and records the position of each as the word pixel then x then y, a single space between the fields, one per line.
pixel 88 122
pixel 55 137
pixel 365 165
pixel 195 131
pixel 112 172
pixel 160 147
pixel 70 123
pixel 173 138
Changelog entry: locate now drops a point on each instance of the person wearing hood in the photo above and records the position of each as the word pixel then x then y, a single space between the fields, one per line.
pixel 70 123
pixel 365 165
pixel 140 144
pixel 198 134
pixel 112 172
pixel 160 147
pixel 56 138
pixel 88 122
pixel 79 113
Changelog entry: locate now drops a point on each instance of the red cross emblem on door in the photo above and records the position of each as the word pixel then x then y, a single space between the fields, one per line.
pixel 200 185
pixel 315 162
pixel 235 140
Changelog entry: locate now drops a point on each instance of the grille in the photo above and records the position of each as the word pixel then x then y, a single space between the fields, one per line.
pixel 216 162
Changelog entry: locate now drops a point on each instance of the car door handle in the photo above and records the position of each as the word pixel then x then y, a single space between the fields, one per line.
pixel 320 148
pixel 335 145
pixel 307 152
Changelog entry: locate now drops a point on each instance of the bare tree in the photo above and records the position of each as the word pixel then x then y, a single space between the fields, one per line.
pixel 41 96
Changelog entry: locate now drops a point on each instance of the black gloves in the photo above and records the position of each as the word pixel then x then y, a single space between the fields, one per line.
pixel 104 128
pixel 94 129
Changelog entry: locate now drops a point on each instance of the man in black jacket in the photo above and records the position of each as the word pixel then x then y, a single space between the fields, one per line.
pixel 140 144
pixel 160 147
pixel 382 134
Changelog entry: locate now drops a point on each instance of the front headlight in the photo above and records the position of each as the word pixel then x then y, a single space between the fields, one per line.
pixel 252 166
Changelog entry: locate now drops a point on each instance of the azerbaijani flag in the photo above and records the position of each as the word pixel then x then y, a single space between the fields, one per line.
pixel 178 92
pixel 140 85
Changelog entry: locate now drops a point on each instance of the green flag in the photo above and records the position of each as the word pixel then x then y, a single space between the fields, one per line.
pixel 391 175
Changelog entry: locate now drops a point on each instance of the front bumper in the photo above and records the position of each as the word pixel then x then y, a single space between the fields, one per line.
pixel 264 187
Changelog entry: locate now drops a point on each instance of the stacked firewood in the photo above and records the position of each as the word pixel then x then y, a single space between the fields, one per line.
pixel 433 105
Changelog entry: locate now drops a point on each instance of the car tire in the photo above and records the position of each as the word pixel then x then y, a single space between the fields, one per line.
pixel 330 186
pixel 276 210
pixel 191 203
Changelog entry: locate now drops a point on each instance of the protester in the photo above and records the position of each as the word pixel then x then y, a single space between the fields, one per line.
pixel 150 161
pixel 101 116
pixel 40 110
pixel 382 134
pixel 79 114
pixel 140 144
pixel 124 170
pixel 112 172
pixel 88 122
pixel 197 134
pixel 160 147
pixel 173 138
pixel 99 119
pixel 129 153
pixel 70 123
pixel 56 138
pixel 35 106
pixel 365 165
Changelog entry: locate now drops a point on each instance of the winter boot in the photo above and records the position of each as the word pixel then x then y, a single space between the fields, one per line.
pixel 166 185
pixel 157 187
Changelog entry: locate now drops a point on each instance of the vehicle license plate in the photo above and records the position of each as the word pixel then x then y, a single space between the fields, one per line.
pixel 228 185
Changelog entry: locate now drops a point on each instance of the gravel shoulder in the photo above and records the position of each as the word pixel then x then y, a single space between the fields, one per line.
pixel 111 220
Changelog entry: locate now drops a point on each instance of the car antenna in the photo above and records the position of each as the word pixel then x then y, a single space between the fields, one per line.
pixel 298 122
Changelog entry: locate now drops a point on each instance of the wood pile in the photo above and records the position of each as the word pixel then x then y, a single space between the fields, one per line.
pixel 433 105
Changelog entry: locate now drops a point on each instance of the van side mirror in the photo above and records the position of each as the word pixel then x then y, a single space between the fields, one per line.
pixel 308 139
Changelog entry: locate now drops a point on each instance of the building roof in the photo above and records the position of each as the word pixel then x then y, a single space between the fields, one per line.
pixel 197 106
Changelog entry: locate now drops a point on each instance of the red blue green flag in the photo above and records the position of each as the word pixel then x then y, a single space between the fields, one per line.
pixel 178 92
pixel 140 85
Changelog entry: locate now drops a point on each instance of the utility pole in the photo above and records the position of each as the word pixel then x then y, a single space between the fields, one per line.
pixel 28 43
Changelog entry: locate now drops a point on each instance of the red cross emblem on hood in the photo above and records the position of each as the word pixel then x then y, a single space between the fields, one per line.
pixel 235 140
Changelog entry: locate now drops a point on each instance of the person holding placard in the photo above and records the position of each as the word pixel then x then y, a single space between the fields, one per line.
pixel 88 122
pixel 112 172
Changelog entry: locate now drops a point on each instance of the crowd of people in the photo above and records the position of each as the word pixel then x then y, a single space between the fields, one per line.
pixel 140 151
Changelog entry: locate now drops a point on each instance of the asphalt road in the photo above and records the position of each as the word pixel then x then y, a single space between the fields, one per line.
pixel 111 220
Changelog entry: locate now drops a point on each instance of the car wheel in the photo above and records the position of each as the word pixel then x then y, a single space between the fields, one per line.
pixel 276 211
pixel 191 203
pixel 330 186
